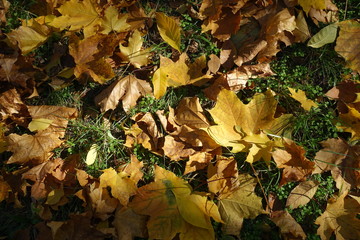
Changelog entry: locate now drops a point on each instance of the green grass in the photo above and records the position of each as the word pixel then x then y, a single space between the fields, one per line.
pixel 313 70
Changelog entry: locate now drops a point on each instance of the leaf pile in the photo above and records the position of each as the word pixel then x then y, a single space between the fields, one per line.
pixel 107 42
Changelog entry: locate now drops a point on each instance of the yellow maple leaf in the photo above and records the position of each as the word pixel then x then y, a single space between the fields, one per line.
pixel 300 96
pixel 30 35
pixel 78 15
pixel 173 208
pixel 122 185
pixel 169 30
pixel 113 21
pixel 179 73
pixel 242 126
pixel 133 52
pixel 240 204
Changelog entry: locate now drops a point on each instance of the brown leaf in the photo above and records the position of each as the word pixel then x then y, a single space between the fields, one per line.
pixel 213 64
pixel 347 43
pixel 12 108
pixel 89 55
pixel 301 194
pixel 223 177
pixel 4 189
pixel 292 159
pixel 176 150
pixel 77 227
pixel 50 175
pixel 340 218
pixel 102 204
pixel 129 225
pixel 289 228
pixel 343 160
pixel 32 149
pixel 127 89
pixel 59 117
pixel 197 161
pixel 225 23
pixel 145 132
pixel 189 112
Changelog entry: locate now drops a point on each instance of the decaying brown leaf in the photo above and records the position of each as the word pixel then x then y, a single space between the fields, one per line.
pixel 293 160
pixel 301 194
pixel 127 89
pixel 289 228
pixel 343 160
pixel 347 44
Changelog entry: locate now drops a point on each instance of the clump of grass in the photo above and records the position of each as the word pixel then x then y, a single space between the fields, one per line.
pixel 84 133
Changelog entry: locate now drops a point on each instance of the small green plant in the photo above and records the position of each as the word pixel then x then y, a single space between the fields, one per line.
pixel 194 42
pixel 19 9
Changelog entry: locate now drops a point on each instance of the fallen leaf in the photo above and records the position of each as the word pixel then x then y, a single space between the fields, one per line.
pixel 189 112
pixel 127 89
pixel 296 166
pixel 91 155
pixel 347 44
pixel 223 177
pixel 113 21
pixel 121 184
pixel 133 169
pixel 308 4
pixel 169 30
pixel 301 194
pixel 173 208
pixel 12 108
pixel 302 32
pixel 77 227
pixel 340 218
pixel 59 117
pixel 39 124
pixel 133 52
pixel 241 126
pixel 289 228
pixel 54 196
pixel 326 35
pixel 89 55
pixel 32 149
pixel 240 204
pixel 179 73
pixel 78 15
pixel 129 225
pixel 300 96
pixel 342 160
pixel 30 36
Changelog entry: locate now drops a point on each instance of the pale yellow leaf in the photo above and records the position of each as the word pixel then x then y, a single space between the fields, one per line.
pixel 113 21
pixel 133 52
pixel 300 96
pixel 38 124
pixel 91 155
